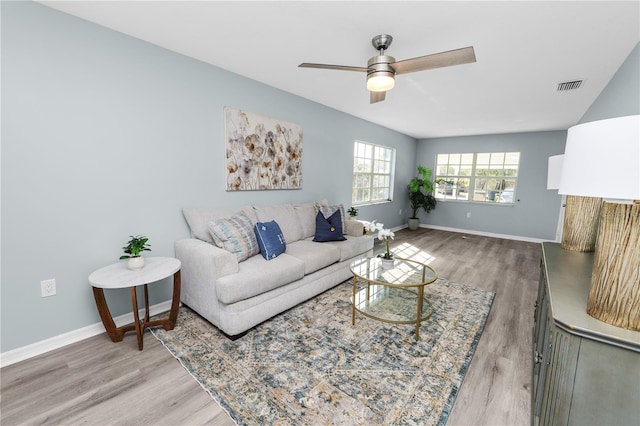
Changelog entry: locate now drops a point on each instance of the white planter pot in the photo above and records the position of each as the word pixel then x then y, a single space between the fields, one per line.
pixel 387 263
pixel 414 224
pixel 135 263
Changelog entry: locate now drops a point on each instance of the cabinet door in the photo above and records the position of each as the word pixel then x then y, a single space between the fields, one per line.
pixel 560 373
pixel 607 386
pixel 539 341
pixel 540 300
pixel 541 361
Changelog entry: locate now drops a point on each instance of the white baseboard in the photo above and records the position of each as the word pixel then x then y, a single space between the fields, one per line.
pixel 485 234
pixel 43 346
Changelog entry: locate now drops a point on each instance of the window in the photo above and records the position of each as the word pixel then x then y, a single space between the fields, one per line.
pixel 490 177
pixel 372 173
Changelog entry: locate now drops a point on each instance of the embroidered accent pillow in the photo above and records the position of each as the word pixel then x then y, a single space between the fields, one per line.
pixel 235 234
pixel 328 210
pixel 270 239
pixel 328 229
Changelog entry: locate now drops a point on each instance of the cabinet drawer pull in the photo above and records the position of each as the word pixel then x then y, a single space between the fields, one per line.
pixel 537 358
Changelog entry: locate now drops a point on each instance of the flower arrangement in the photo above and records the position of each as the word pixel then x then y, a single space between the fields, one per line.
pixel 371 227
pixel 383 235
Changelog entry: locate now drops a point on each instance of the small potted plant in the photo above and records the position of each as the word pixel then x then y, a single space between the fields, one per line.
pixel 133 251
pixel 353 212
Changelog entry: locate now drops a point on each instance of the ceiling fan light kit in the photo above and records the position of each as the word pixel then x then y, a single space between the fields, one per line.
pixel 380 82
pixel 380 74
pixel 382 69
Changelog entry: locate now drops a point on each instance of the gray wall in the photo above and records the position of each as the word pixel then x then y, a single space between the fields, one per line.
pixel 621 97
pixel 534 215
pixel 105 136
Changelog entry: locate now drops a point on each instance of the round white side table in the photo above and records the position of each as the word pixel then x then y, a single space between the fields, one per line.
pixel 119 276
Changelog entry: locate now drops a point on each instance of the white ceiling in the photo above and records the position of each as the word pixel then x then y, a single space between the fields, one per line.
pixel 523 50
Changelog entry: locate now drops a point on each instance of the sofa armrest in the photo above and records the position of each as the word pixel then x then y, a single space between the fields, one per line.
pixel 202 265
pixel 204 262
pixel 354 228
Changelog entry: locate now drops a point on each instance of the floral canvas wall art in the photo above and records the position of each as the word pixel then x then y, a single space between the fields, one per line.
pixel 261 152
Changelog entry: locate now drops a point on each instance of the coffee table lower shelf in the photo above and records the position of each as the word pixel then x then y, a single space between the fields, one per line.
pixel 391 304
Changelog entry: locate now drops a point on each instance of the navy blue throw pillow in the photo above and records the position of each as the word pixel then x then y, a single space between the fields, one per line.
pixel 329 229
pixel 270 239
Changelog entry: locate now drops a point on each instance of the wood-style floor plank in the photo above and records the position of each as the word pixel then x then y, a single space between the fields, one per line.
pixel 99 382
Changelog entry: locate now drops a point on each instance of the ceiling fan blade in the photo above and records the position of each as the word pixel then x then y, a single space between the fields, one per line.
pixel 376 97
pixel 332 67
pixel 465 55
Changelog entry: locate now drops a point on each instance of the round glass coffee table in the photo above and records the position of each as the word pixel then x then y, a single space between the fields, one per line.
pixel 394 295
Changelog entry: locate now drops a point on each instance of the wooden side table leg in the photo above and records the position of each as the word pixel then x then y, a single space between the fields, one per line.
pixel 105 315
pixel 175 302
pixel 136 317
pixel 146 305
pixel 169 322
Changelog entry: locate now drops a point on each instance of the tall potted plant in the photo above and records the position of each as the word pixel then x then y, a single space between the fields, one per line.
pixel 421 195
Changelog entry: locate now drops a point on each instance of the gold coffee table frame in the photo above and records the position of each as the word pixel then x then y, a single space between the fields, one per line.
pixel 393 295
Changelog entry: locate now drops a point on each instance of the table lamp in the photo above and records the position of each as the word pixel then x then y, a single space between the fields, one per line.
pixel 602 159
pixel 554 171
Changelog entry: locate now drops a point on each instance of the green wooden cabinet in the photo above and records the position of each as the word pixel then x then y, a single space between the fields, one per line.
pixel 585 372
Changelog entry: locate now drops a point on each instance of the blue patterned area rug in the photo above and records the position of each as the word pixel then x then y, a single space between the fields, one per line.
pixel 310 366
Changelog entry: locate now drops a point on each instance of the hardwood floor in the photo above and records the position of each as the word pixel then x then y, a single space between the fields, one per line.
pixel 99 382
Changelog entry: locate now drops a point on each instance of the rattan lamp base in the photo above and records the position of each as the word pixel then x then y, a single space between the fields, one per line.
pixel 614 296
pixel 581 218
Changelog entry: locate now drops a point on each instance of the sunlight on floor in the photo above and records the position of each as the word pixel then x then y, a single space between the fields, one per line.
pixel 408 251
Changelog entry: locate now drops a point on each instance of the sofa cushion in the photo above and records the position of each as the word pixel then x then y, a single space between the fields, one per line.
pixel 236 235
pixel 256 276
pixel 198 220
pixel 307 217
pixel 328 229
pixel 286 217
pixel 328 210
pixel 353 246
pixel 270 239
pixel 314 255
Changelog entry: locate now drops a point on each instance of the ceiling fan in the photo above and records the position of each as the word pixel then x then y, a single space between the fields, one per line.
pixel 382 69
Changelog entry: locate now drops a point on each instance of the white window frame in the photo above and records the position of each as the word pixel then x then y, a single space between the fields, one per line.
pixel 490 177
pixel 381 161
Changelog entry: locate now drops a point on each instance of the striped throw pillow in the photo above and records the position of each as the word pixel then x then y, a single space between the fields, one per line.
pixel 235 234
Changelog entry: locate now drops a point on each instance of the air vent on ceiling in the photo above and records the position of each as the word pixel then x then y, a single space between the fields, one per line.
pixel 569 85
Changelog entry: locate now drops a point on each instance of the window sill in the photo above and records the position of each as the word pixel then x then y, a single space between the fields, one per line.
pixel 478 203
pixel 372 203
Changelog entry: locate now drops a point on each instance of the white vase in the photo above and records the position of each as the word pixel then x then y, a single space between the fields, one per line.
pixel 387 263
pixel 135 263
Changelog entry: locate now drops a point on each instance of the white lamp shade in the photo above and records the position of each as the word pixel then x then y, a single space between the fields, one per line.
pixel 602 159
pixel 554 171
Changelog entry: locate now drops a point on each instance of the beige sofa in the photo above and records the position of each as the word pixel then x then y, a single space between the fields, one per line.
pixel 237 295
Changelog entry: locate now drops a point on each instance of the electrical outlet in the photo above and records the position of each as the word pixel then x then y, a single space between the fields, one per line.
pixel 400 212
pixel 468 215
pixel 48 288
